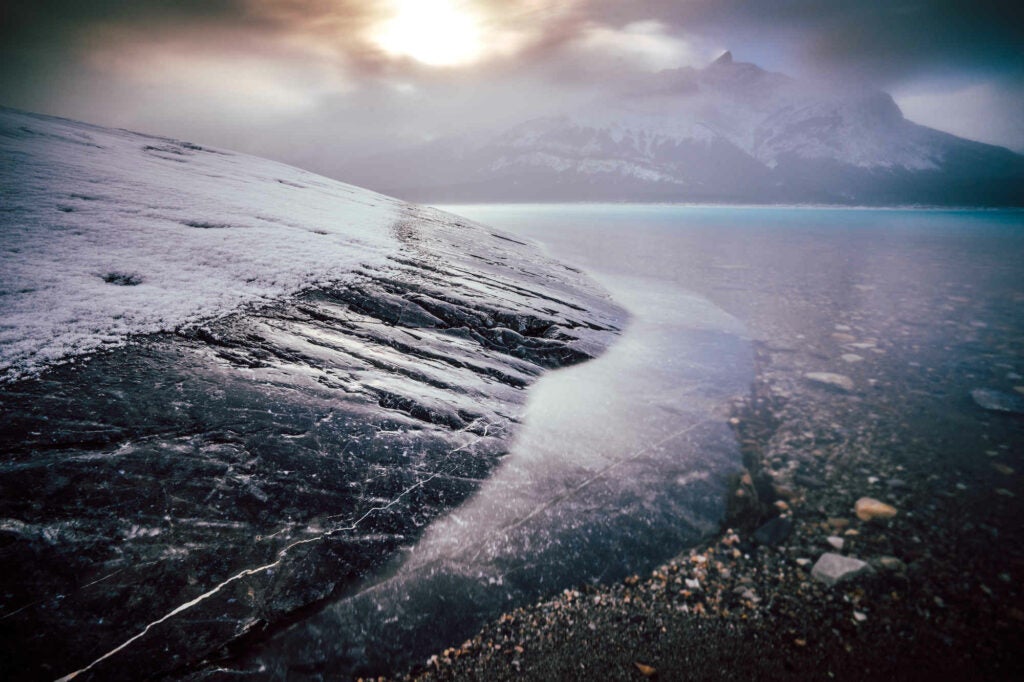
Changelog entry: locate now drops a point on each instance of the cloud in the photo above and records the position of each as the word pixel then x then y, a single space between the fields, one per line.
pixel 884 41
pixel 647 45
pixel 233 70
pixel 304 80
pixel 983 112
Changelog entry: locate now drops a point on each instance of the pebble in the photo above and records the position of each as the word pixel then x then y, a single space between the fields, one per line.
pixel 835 568
pixel 836 542
pixel 748 594
pixel 851 358
pixel 774 532
pixel 997 401
pixel 838 523
pixel 868 508
pixel 891 563
pixel 645 670
pixel 830 380
pixel 809 481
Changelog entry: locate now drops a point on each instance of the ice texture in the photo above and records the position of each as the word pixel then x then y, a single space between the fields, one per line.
pixel 108 233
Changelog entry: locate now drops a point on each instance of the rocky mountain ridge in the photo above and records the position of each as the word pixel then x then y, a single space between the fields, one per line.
pixel 730 132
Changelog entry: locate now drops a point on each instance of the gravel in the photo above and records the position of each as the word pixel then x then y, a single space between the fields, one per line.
pixel 943 598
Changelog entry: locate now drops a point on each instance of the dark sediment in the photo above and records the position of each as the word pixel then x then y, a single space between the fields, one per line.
pixel 941 599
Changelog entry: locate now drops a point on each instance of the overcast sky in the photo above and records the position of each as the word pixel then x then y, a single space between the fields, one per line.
pixel 312 81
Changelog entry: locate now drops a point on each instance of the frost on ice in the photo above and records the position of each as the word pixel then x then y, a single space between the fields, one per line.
pixel 110 233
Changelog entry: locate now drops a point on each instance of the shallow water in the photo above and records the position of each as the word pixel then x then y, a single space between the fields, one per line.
pixel 920 282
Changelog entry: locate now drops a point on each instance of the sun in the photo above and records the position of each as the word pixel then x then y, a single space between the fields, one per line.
pixel 433 32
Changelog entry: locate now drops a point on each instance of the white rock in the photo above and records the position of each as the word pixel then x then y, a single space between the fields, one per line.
pixel 851 358
pixel 998 401
pixel 836 541
pixel 831 380
pixel 834 568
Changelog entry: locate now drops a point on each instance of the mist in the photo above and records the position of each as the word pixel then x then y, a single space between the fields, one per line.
pixel 317 84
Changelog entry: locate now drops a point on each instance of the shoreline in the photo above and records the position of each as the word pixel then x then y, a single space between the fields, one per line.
pixel 899 425
pixel 714 610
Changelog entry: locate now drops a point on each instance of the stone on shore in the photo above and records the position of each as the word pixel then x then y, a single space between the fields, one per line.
pixel 832 568
pixel 998 401
pixel 839 382
pixel 868 509
pixel 891 563
pixel 774 532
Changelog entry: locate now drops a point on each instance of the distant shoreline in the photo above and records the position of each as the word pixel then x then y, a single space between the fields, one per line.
pixel 448 206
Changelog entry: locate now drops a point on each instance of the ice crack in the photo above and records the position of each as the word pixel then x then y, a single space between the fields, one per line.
pixel 281 555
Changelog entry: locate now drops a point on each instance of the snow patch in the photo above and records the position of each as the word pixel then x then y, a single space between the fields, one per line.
pixel 585 166
pixel 107 233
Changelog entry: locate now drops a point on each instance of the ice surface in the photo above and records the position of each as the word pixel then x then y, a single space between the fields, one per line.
pixel 105 234
pixel 619 462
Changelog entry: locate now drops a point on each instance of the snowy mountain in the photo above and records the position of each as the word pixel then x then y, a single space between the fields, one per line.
pixel 729 132
pixel 231 389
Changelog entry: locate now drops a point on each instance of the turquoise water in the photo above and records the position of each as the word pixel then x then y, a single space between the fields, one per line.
pixel 623 237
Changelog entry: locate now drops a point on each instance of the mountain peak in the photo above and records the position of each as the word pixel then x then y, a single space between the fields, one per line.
pixel 724 58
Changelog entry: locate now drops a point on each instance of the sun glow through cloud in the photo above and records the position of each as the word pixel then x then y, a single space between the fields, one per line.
pixel 433 32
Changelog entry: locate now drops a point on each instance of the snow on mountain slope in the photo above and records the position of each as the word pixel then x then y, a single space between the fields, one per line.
pixel 729 132
pixel 110 233
pixel 765 115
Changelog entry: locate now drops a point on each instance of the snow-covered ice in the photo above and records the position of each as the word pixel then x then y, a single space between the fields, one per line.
pixel 136 234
